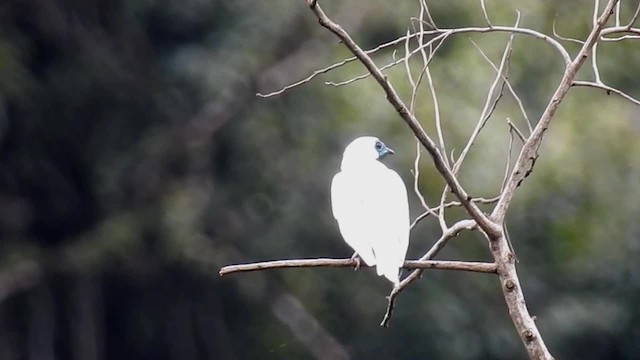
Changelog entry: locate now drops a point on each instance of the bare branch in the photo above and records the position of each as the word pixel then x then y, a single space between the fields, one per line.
pixel 407 68
pixel 493 226
pixel 511 90
pixel 484 11
pixel 483 221
pixel 441 219
pixel 424 9
pixel 594 48
pixel 619 30
pixel 428 13
pixel 436 109
pixel 394 62
pixel 416 176
pixel 608 89
pixel 472 266
pixel 305 80
pixel 431 212
pixel 634 17
pixel 334 66
pixel 508 162
pixel 623 29
pixel 511 289
pixel 453 231
pixel 489 106
pixel 481 30
pixel 620 38
pixel 538 35
pixel 555 33
pixel 518 132
pixel 528 153
pixel 524 31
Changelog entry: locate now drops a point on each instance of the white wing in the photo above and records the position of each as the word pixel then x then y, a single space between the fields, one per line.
pixel 372 211
pixel 392 244
pixel 349 209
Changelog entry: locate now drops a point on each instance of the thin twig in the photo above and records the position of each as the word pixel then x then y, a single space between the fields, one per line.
pixel 394 100
pixel 441 218
pixel 518 132
pixel 505 79
pixel 594 48
pixel 623 29
pixel 634 17
pixel 394 62
pixel 453 231
pixel 484 11
pixel 481 30
pixel 431 212
pixel 620 30
pixel 307 79
pixel 414 93
pixel 407 68
pixel 607 89
pixel 555 33
pixel 428 13
pixel 436 108
pixel 528 153
pixel 472 266
pixel 416 176
pixel 335 66
pixel 524 31
pixel 424 10
pixel 508 162
pixel 489 105
pixel 620 38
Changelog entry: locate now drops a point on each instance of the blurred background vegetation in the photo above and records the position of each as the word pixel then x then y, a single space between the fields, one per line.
pixel 136 160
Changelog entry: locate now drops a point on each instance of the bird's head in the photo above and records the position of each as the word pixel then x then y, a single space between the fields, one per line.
pixel 363 149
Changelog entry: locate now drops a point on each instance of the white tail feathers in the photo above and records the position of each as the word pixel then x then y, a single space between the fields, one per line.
pixel 367 255
pixel 390 271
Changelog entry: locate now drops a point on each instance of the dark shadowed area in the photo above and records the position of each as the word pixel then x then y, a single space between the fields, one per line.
pixel 136 160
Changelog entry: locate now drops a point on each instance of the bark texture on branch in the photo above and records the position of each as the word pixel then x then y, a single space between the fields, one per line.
pixel 392 96
pixel 491 226
pixel 529 153
pixel 472 266
pixel 507 273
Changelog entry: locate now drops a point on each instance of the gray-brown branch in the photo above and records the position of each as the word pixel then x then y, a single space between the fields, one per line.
pixel 450 233
pixel 511 288
pixel 512 291
pixel 472 266
pixel 529 152
pixel 482 219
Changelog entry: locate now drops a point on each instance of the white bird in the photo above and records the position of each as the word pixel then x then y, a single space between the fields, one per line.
pixel 369 201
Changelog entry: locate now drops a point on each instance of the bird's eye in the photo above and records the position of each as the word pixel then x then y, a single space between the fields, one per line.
pixel 378 146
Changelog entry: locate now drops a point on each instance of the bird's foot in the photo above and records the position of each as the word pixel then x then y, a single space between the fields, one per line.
pixel 357 259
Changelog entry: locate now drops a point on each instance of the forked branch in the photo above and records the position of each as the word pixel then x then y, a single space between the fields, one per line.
pixel 392 96
pixel 489 225
pixel 529 153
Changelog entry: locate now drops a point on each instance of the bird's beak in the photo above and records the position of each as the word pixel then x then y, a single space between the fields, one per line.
pixel 386 151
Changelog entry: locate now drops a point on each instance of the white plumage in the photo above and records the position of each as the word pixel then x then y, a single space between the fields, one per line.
pixel 369 201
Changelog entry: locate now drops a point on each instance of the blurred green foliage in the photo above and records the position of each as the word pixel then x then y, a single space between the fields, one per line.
pixel 136 160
